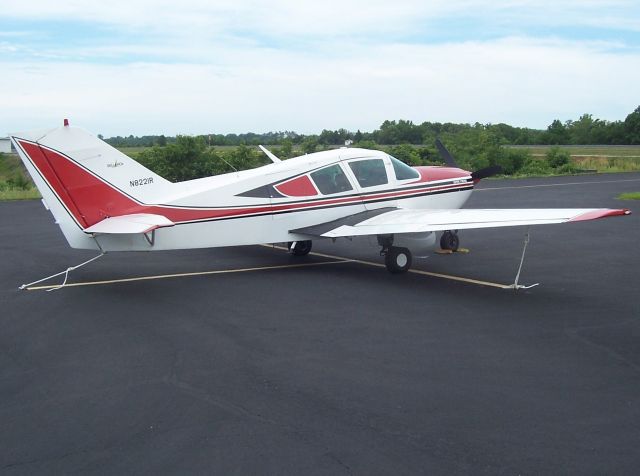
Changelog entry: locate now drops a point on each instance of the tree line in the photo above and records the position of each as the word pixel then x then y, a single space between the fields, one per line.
pixel 474 146
pixel 584 131
pixel 189 157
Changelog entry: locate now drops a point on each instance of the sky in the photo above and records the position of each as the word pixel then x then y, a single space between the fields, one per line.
pixel 220 66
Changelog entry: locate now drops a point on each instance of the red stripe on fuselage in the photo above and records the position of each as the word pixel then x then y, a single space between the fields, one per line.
pixel 89 199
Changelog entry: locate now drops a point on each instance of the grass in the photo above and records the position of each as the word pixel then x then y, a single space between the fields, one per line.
pixel 11 168
pixel 17 194
pixel 629 196
pixel 608 164
pixel 132 151
pixel 585 150
pixel 9 165
pixel 601 158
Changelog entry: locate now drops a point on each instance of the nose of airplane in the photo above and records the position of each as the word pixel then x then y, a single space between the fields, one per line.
pixel 429 174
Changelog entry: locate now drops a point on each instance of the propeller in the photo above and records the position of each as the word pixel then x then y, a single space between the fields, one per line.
pixel 446 155
pixel 451 162
pixel 486 172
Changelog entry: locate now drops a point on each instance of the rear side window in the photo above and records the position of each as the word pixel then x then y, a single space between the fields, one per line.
pixel 369 172
pixel 402 170
pixel 331 180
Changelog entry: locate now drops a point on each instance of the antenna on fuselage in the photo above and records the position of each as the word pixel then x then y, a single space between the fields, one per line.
pixel 269 154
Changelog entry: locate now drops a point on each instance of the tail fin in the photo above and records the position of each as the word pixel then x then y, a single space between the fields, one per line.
pixel 83 180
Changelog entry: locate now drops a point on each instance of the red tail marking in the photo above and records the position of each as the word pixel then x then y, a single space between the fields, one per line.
pixel 85 196
pixel 91 200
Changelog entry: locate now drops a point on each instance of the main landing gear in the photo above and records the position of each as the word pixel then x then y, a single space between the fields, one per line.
pixel 449 240
pixel 299 248
pixel 396 259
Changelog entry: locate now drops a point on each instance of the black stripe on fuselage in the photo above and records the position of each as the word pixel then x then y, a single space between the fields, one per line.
pixel 301 210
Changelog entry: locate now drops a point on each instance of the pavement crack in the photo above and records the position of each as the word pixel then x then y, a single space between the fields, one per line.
pixel 573 334
pixel 339 461
pixel 202 395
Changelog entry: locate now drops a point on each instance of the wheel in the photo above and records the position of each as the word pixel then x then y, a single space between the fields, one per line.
pixel 398 260
pixel 449 241
pixel 301 248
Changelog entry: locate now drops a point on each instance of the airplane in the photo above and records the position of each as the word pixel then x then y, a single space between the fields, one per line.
pixel 105 201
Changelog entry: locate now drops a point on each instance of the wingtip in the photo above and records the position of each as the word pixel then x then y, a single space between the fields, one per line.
pixel 604 213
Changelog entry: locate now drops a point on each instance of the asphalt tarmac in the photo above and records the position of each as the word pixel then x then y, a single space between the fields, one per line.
pixel 330 366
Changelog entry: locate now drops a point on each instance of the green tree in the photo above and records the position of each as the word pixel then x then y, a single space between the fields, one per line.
pixel 557 133
pixel 580 130
pixel 184 160
pixel 310 144
pixel 557 157
pixel 286 150
pixel 632 127
pixel 406 153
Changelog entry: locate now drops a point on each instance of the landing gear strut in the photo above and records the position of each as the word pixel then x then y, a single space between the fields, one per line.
pixel 299 248
pixel 396 259
pixel 450 240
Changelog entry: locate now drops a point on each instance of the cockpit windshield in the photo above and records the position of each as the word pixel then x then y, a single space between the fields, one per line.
pixel 402 170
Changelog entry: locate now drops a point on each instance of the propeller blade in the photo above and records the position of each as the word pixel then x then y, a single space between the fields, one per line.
pixel 486 172
pixel 445 154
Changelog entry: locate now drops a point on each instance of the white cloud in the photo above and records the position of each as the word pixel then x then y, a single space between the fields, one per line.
pixel 200 66
pixel 518 81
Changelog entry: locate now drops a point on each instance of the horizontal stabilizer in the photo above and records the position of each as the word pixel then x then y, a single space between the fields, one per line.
pixel 128 224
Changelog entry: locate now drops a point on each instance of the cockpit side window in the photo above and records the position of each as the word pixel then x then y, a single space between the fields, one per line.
pixel 402 170
pixel 331 180
pixel 369 172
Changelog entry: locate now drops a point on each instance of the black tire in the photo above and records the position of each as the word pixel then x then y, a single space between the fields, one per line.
pixel 449 241
pixel 398 260
pixel 302 248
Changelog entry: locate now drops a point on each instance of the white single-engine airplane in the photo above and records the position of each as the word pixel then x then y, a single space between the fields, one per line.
pixel 106 201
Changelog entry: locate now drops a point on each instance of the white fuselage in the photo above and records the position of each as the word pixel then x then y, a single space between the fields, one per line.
pixel 275 217
pixel 84 182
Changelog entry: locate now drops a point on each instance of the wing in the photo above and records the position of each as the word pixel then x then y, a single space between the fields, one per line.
pixel 396 221
pixel 125 224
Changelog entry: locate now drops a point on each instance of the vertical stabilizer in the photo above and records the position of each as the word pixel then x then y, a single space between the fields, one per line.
pixel 84 180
